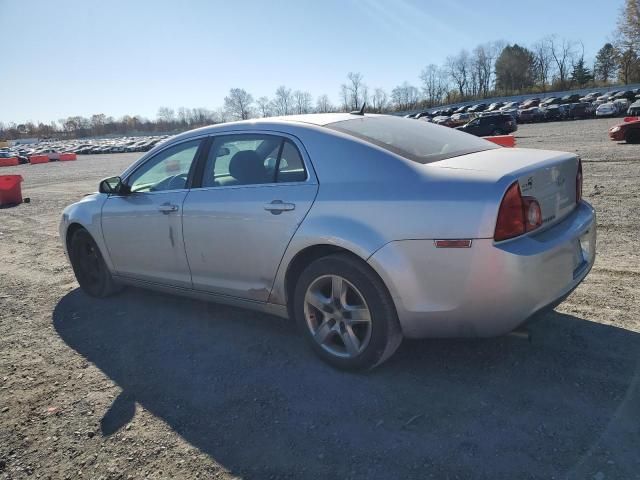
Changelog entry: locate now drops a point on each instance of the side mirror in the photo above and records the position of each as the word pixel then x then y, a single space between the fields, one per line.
pixel 114 186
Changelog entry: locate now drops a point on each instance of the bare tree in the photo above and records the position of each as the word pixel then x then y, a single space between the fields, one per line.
pixel 302 101
pixel 543 61
pixel 283 102
pixel 562 53
pixel 323 104
pixel 481 63
pixel 344 97
pixel 628 27
pixel 405 96
pixel 434 84
pixel 238 103
pixel 221 115
pixel 354 91
pixel 457 68
pixel 379 100
pixel 264 107
pixel 166 114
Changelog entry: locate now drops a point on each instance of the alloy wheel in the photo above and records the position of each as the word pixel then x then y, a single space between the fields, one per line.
pixel 337 316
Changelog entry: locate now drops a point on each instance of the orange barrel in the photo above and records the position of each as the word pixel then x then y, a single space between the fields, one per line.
pixel 10 190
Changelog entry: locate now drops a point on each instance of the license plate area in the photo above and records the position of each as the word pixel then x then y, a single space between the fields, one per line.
pixel 582 253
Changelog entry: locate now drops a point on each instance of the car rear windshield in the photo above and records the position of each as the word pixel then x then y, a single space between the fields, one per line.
pixel 416 140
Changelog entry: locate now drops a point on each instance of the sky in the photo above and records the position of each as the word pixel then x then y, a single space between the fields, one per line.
pixel 63 58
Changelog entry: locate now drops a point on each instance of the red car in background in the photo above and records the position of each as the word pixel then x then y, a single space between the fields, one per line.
pixel 628 131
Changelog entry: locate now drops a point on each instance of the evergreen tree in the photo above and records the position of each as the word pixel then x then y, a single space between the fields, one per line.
pixel 581 75
pixel 606 64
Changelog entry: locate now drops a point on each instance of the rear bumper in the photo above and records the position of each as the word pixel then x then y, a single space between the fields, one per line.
pixel 490 288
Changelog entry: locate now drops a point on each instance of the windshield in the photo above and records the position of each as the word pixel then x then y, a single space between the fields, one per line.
pixel 421 142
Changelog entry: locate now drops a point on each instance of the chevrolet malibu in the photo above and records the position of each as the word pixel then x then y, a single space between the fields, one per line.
pixel 365 229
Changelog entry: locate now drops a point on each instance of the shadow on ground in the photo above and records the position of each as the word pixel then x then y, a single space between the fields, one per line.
pixel 244 388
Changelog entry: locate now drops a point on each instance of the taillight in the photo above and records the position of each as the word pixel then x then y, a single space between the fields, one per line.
pixel 517 214
pixel 579 182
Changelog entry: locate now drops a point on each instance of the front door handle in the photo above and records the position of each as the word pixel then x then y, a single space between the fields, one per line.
pixel 167 208
pixel 278 206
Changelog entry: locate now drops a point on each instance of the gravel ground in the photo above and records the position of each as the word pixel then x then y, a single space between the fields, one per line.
pixel 148 386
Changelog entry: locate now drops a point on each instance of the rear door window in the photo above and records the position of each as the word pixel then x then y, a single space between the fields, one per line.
pixel 251 159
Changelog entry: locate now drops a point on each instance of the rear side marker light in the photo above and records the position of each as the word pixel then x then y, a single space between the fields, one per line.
pixel 452 243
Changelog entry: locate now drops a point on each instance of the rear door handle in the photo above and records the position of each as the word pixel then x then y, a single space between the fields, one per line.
pixel 278 206
pixel 167 208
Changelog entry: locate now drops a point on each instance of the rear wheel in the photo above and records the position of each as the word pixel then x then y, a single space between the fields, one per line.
pixel 89 267
pixel 346 313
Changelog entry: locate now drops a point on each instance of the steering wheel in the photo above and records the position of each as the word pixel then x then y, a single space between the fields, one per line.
pixel 175 182
pixel 182 178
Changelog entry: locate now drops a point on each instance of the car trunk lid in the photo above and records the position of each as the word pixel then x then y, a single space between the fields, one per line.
pixel 548 176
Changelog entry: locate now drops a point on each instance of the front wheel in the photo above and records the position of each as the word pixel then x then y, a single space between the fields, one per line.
pixel 632 136
pixel 346 313
pixel 89 267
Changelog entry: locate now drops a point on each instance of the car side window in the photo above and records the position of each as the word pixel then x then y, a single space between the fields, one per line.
pixel 290 167
pixel 243 159
pixel 168 170
pixel 252 159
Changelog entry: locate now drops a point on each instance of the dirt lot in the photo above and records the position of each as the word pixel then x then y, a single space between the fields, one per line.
pixel 147 386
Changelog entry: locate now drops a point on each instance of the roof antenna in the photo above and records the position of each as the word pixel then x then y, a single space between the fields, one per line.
pixel 359 112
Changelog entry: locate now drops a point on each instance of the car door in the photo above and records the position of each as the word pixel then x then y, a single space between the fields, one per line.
pixel 143 229
pixel 254 191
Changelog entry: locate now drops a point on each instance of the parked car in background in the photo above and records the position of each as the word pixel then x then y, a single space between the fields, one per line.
pixel 552 113
pixel 494 106
pixel 573 98
pixel 627 94
pixel 622 105
pixel 550 101
pixel 627 131
pixel 458 119
pixel 590 97
pixel 532 102
pixel 579 110
pixel 530 115
pixel 481 239
pixel 606 110
pixel 462 109
pixel 496 124
pixel 480 107
pixel 634 109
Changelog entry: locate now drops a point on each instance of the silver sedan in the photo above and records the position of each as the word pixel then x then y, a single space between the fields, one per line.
pixel 363 228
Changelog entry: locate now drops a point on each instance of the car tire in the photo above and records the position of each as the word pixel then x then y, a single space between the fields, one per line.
pixel 632 136
pixel 89 266
pixel 497 131
pixel 340 333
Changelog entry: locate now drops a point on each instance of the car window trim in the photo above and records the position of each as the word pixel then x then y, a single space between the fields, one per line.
pixel 306 162
pixel 280 149
pixel 196 157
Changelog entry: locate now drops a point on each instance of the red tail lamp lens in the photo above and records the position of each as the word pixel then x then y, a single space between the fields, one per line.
pixel 579 182
pixel 517 214
pixel 510 218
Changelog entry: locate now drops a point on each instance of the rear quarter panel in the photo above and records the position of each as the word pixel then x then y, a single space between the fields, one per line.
pixel 369 197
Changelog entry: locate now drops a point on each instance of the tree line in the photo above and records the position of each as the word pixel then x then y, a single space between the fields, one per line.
pixel 490 69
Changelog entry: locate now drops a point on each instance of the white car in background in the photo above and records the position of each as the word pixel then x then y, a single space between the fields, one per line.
pixel 608 109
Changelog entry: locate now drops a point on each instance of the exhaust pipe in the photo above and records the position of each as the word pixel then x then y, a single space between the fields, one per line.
pixel 521 332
